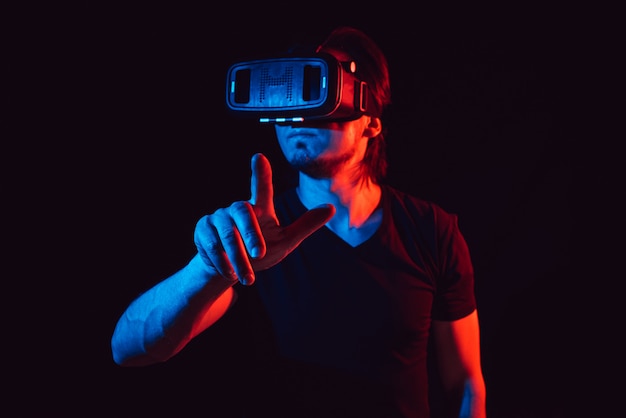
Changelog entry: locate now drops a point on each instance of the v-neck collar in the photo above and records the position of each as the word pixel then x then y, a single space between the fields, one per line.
pixel 383 206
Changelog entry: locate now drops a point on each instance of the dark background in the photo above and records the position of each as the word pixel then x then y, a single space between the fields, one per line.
pixel 135 145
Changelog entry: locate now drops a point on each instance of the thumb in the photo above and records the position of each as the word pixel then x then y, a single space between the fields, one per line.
pixel 309 222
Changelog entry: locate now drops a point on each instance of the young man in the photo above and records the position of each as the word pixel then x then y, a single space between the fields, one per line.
pixel 355 282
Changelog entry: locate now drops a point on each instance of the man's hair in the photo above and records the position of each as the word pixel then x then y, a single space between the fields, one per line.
pixel 371 67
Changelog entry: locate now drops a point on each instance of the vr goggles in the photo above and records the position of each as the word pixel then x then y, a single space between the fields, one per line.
pixel 297 89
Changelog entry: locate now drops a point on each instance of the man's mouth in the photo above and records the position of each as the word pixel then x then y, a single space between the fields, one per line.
pixel 300 133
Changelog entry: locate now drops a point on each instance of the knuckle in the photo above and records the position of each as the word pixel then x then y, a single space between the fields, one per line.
pixel 202 222
pixel 249 235
pixel 240 208
pixel 213 248
pixel 218 213
pixel 228 234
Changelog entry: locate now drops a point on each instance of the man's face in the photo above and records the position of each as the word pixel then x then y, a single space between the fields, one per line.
pixel 321 148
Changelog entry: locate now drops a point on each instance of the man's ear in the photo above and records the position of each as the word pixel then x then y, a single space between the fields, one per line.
pixel 373 127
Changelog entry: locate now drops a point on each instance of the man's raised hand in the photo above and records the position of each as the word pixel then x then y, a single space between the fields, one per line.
pixel 246 236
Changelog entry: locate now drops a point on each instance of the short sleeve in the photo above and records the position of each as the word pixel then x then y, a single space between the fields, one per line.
pixel 454 297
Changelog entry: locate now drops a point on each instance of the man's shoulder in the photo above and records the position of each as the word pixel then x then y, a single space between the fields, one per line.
pixel 411 202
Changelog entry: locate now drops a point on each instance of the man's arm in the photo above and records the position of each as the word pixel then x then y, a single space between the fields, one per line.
pixel 457 344
pixel 161 321
pixel 232 244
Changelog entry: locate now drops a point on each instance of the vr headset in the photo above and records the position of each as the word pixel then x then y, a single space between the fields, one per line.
pixel 294 89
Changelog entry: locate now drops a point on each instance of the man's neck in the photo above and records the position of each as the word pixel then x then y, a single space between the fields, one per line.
pixel 356 204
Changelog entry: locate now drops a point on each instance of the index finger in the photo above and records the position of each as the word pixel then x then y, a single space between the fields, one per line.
pixel 262 189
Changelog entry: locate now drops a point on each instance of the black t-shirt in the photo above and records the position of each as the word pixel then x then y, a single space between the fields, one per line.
pixel 349 326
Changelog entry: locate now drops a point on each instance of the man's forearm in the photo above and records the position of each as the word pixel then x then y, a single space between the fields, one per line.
pixel 473 403
pixel 161 321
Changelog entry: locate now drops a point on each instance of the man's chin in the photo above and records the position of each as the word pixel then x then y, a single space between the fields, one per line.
pixel 301 159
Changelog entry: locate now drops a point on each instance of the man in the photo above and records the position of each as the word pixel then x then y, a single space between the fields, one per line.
pixel 355 282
